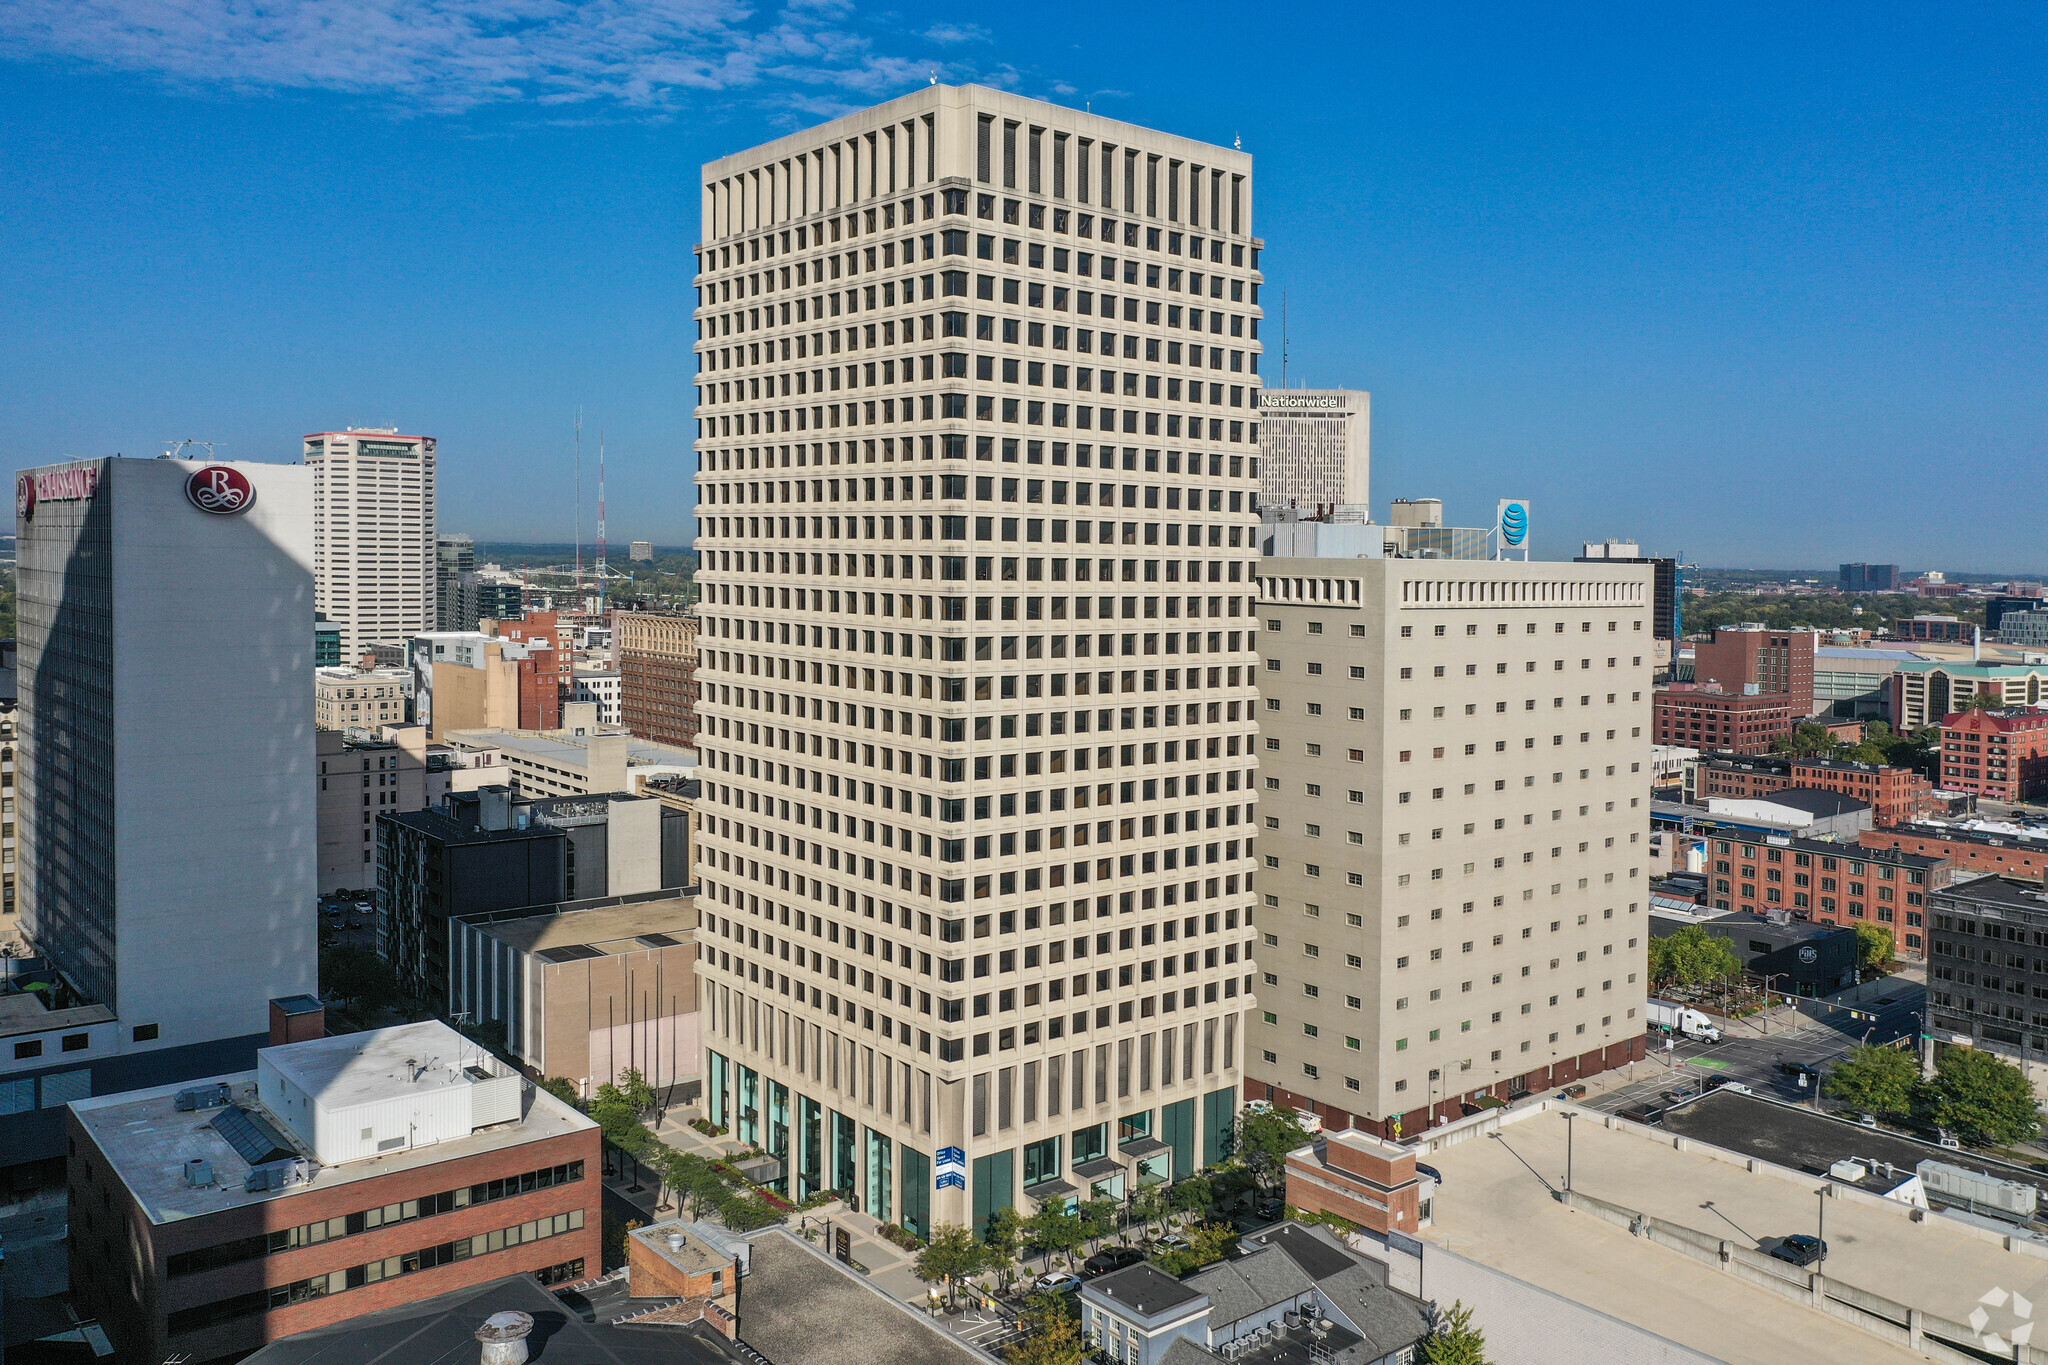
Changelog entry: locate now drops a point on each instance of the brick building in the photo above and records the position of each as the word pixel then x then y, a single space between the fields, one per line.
pixel 1739 658
pixel 1999 754
pixel 1702 718
pixel 657 657
pixel 342 1176
pixel 2005 849
pixel 1933 629
pixel 1830 883
pixel 1357 1176
pixel 1894 795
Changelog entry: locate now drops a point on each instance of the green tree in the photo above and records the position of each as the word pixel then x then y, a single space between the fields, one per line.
pixel 563 1089
pixel 1264 1138
pixel 1148 1205
pixel 1808 740
pixel 1052 1334
pixel 1875 1080
pixel 1692 956
pixel 1098 1218
pixel 1455 1341
pixel 952 1254
pixel 1208 1244
pixel 1981 1097
pixel 746 1212
pixel 1004 1237
pixel 1055 1229
pixel 633 1087
pixel 359 977
pixel 1193 1195
pixel 1873 946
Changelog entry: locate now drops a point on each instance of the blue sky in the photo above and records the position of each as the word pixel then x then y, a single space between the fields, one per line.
pixel 1762 284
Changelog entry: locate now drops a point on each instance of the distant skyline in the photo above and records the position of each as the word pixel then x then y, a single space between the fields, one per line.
pixel 1715 280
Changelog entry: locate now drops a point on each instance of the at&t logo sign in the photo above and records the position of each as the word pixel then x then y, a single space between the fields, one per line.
pixel 220 490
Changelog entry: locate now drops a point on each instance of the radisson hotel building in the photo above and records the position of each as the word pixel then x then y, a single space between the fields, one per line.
pixel 978 420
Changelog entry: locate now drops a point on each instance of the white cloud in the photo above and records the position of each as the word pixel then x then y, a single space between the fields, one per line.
pixel 632 57
pixel 957 33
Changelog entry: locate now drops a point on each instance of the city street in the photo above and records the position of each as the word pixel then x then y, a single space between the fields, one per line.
pixel 1814 1033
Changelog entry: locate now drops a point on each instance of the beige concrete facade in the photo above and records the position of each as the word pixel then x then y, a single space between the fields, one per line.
pixel 364 698
pixel 359 781
pixel 1456 824
pixel 1316 448
pixel 978 447
pixel 588 993
pixel 374 544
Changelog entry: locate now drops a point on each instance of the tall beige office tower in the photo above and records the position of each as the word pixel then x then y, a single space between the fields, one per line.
pixel 374 543
pixel 978 423
pixel 1316 448
pixel 1455 891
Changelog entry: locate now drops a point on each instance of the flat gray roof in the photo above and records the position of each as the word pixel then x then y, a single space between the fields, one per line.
pixel 147 1141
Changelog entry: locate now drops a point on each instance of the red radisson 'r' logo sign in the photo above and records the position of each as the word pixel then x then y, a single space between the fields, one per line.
pixel 220 490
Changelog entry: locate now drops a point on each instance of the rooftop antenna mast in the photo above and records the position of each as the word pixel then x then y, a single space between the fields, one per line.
pixel 600 523
pixel 579 502
pixel 1283 338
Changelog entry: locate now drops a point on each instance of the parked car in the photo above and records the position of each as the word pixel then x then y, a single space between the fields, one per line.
pixel 1572 1092
pixel 1172 1241
pixel 1108 1259
pixel 1270 1208
pixel 1800 1249
pixel 1057 1282
pixel 1432 1172
pixel 1866 1120
pixel 1797 1069
pixel 1678 1094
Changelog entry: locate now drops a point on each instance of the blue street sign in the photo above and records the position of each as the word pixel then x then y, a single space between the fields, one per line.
pixel 952 1156
pixel 952 1180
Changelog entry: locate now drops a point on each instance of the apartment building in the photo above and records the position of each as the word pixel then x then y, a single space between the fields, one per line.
pixel 374 550
pixel 1708 719
pixel 977 512
pixel 1455 833
pixel 362 698
pixel 2002 755
pixel 362 778
pixel 455 599
pixel 1894 795
pixel 1750 659
pixel 1778 874
pixel 656 652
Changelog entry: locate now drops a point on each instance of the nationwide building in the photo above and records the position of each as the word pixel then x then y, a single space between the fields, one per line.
pixel 375 555
pixel 340 1176
pixel 361 697
pixel 978 649
pixel 162 925
pixel 1315 447
pixel 1454 832
pixel 657 657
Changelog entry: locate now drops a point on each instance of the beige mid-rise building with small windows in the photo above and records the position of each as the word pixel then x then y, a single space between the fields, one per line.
pixel 1455 857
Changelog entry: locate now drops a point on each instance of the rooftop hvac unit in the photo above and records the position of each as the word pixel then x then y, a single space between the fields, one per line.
pixel 199 1173
pixel 203 1097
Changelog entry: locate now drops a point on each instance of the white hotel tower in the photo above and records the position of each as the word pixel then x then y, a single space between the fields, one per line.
pixel 978 446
